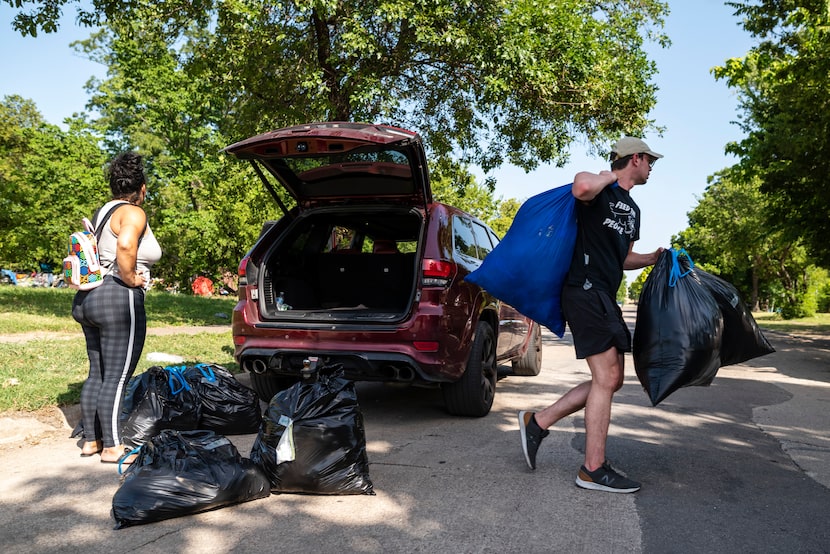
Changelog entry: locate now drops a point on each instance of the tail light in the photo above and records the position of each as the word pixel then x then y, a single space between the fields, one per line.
pixel 243 272
pixel 437 273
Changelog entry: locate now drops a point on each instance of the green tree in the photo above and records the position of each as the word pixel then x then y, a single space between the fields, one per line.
pixel 206 210
pixel 485 82
pixel 636 288
pixel 507 209
pixel 783 85
pixel 49 180
pixel 731 234
pixel 823 297
pixel 622 290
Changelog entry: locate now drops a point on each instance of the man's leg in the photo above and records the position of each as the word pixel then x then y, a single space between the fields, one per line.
pixel 606 379
pixel 595 396
pixel 569 403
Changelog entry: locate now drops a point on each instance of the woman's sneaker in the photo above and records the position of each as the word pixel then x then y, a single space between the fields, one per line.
pixel 604 478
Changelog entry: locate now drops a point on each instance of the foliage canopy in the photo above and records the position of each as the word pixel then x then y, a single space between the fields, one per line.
pixel 485 83
pixel 784 85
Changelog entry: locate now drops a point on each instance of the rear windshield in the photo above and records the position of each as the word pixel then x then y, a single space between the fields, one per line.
pixel 353 173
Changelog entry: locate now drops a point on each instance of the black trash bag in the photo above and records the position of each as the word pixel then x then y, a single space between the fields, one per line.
pixel 536 251
pixel 78 430
pixel 177 473
pixel 312 439
pixel 225 405
pixel 160 398
pixel 677 337
pixel 742 338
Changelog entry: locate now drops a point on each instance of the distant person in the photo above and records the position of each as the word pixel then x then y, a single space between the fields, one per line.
pixel 112 315
pixel 608 224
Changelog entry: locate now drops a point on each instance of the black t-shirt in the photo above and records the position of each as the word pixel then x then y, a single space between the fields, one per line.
pixel 606 228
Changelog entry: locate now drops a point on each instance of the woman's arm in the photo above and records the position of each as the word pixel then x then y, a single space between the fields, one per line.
pixel 129 226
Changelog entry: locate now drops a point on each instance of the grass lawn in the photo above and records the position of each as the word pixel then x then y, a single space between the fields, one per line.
pixel 50 372
pixel 27 309
pixel 819 324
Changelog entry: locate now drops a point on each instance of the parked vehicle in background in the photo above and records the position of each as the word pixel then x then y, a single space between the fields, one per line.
pixel 367 271
pixel 31 278
pixel 8 277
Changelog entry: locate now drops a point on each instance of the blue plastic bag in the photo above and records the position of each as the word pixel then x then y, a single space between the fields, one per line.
pixel 528 268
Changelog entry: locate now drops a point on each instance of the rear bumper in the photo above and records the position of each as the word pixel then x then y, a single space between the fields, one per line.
pixel 358 366
pixel 368 350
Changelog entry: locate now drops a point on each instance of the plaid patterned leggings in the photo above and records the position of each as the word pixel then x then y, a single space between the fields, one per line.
pixel 115 326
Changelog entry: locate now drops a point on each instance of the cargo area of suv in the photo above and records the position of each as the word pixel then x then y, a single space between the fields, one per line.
pixel 352 264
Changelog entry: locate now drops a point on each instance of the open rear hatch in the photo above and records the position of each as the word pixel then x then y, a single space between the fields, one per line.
pixel 350 254
pixel 334 163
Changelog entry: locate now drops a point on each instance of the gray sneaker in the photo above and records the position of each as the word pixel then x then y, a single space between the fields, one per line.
pixel 532 436
pixel 604 478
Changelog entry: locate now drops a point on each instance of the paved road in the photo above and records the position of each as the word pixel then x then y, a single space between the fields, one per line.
pixel 740 466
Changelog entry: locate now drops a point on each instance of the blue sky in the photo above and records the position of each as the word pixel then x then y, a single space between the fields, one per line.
pixel 696 111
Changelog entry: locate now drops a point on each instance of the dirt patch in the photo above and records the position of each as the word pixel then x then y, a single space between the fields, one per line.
pixel 19 428
pixel 20 338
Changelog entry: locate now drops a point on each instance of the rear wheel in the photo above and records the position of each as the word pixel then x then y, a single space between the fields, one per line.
pixel 531 362
pixel 266 385
pixel 472 395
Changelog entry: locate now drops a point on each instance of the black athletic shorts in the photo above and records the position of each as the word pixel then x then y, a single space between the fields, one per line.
pixel 595 320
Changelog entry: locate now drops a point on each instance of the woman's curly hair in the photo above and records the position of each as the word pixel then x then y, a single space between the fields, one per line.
pixel 126 175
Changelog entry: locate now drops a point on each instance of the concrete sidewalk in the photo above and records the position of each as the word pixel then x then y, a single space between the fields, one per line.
pixel 741 466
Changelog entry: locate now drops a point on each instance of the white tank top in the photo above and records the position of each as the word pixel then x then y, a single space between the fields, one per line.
pixel 149 250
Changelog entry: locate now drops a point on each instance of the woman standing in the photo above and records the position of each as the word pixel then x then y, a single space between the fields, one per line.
pixel 112 315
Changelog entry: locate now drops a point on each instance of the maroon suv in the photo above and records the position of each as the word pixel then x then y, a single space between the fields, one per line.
pixel 368 271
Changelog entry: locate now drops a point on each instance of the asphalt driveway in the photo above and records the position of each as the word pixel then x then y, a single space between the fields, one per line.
pixel 740 466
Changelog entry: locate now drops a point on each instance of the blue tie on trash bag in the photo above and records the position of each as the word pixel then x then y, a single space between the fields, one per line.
pixel 160 398
pixel 225 405
pixel 528 268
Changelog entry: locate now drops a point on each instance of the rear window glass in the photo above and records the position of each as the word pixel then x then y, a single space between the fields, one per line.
pixel 309 166
pixel 353 173
pixel 341 239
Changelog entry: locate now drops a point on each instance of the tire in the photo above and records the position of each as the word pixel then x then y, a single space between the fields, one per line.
pixel 531 362
pixel 266 385
pixel 473 394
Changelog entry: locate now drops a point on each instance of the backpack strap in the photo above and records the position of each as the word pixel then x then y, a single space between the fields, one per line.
pixel 99 228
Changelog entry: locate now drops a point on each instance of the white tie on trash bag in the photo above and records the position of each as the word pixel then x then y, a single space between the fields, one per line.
pixel 285 448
